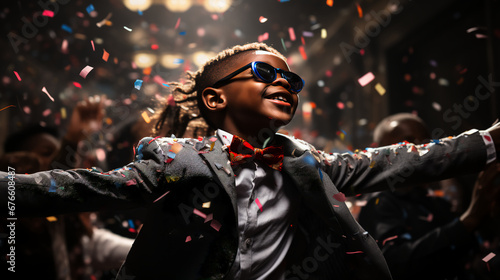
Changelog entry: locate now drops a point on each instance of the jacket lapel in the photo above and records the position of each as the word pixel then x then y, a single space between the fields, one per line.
pixel 218 161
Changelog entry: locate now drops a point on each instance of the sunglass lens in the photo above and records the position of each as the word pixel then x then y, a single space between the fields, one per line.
pixel 266 72
pixel 295 81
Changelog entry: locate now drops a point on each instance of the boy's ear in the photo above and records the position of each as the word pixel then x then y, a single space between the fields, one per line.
pixel 213 99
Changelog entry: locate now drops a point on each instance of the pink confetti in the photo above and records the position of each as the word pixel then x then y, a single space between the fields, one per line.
pixel 17 75
pixel 215 225
pixel 489 257
pixel 178 23
pixel 64 46
pixel 339 196
pixel 292 33
pixel 46 112
pixel 48 13
pixel 389 239
pixel 262 19
pixel 77 85
pixel 85 71
pixel 209 217
pixel 263 37
pixel 48 94
pixel 258 204
pixel 161 197
pixel 354 252
pixel 188 238
pixel 159 80
pixel 366 79
pixel 105 55
pixel 199 213
pixel 100 154
pixel 131 182
pixel 92 43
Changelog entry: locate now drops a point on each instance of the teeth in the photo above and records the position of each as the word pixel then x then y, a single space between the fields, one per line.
pixel 281 98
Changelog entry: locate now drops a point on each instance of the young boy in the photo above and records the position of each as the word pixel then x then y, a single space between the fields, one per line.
pixel 220 209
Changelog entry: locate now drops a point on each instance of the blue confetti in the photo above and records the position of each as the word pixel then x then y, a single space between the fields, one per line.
pixel 66 28
pixel 52 185
pixel 182 33
pixel 320 174
pixel 138 84
pixel 139 152
pixel 139 12
pixel 166 85
pixel 131 223
pixel 90 8
pixel 310 160
pixel 171 155
pixel 178 61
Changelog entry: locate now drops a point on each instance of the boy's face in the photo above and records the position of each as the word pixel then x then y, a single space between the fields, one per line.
pixel 253 102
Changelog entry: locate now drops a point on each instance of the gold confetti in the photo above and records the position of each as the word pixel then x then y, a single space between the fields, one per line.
pixel 206 205
pixel 380 89
pixel 51 219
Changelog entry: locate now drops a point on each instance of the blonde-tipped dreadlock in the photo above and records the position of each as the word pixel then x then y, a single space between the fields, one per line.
pixel 184 110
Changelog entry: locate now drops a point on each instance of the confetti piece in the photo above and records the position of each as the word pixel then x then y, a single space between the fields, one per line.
pixel 47 93
pixel 66 28
pixel 52 187
pixel 199 213
pixel 436 106
pixel 323 33
pixel 7 107
pixel 64 46
pixel 77 85
pixel 128 29
pixel 46 112
pixel 389 239
pixel 258 204
pixel 85 71
pixel 339 196
pixel 307 34
pixel 263 37
pixel 161 197
pixel 131 182
pixel 354 252
pixel 146 117
pixel 489 257
pixel 366 79
pixel 283 44
pixel 291 32
pixel 48 13
pixel 372 164
pixel 182 33
pixel 380 89
pixel 177 23
pixel 340 105
pixel 262 19
pixel 360 11
pixel 51 219
pixel 100 154
pixel 206 205
pixel 303 52
pixel 138 84
pixel 215 225
pixel 90 8
pixel 92 43
pixel 105 55
pixel 17 75
pixel 188 238
pixel 159 80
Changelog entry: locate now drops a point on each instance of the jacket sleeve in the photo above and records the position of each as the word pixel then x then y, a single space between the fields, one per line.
pixel 404 164
pixel 58 192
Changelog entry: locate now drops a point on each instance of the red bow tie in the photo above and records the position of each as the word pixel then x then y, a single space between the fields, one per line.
pixel 240 151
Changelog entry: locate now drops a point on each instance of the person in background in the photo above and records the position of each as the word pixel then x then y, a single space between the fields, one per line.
pixel 419 234
pixel 66 247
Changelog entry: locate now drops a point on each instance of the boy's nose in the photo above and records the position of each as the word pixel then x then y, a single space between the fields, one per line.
pixel 281 82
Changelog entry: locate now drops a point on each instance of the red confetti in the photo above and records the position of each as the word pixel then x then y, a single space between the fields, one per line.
pixel 92 43
pixel 7 107
pixel 339 196
pixel 17 75
pixel 258 204
pixel 48 13
pixel 105 55
pixel 389 239
pixel 360 11
pixel 355 252
pixel 215 225
pixel 329 2
pixel 178 23
pixel 303 52
pixel 77 85
pixel 292 33
pixel 188 238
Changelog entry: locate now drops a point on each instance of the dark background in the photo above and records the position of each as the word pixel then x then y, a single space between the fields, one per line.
pixel 428 55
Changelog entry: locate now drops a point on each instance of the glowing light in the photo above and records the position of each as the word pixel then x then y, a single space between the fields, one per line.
pixel 199 58
pixel 137 5
pixel 144 60
pixel 178 6
pixel 217 6
pixel 170 61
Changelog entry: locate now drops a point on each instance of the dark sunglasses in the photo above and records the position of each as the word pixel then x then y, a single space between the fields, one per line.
pixel 266 73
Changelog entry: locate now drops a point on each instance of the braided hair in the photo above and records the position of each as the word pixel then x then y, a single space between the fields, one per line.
pixel 184 110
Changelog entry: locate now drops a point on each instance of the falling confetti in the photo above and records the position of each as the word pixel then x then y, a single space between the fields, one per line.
pixel 360 11
pixel 291 32
pixel 258 204
pixel 323 33
pixel 389 239
pixel 85 71
pixel 262 19
pixel 47 93
pixel 66 28
pixel 138 84
pixel 339 196
pixel 215 225
pixel 188 238
pixel 177 23
pixel 303 52
pixel 76 84
pixel 489 257
pixel 92 43
pixel 146 117
pixel 17 75
pixel 48 13
pixel 206 205
pixel 380 89
pixel 51 219
pixel 7 107
pixel 105 55
pixel 329 3
pixel 128 29
pixel 366 79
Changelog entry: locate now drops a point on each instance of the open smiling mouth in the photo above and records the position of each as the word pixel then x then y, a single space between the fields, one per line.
pixel 279 99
